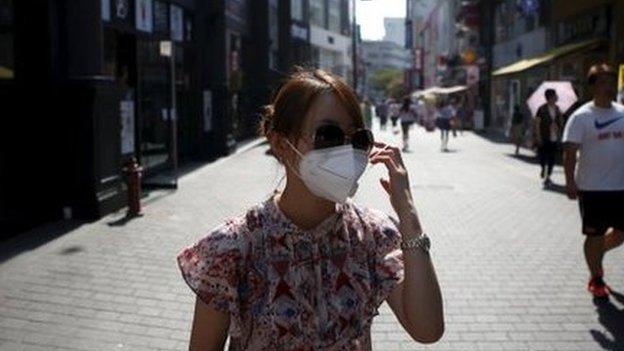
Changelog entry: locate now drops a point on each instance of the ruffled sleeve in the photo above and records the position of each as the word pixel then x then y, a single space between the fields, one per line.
pixel 388 263
pixel 210 268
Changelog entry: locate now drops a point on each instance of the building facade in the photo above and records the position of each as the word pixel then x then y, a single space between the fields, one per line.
pixel 331 41
pixel 549 40
pixel 88 85
pixel 395 30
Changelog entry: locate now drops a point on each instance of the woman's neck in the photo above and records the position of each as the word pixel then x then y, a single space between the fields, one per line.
pixel 303 208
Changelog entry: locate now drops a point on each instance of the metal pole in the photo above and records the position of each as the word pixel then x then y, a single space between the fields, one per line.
pixel 354 44
pixel 173 114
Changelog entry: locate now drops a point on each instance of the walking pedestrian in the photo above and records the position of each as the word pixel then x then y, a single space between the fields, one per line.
pixel 445 114
pixel 596 133
pixel 308 268
pixel 547 131
pixel 367 112
pixel 407 115
pixel 382 112
pixel 394 115
pixel 517 128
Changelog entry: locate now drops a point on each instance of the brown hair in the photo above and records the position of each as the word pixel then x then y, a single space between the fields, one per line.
pixel 292 101
pixel 599 69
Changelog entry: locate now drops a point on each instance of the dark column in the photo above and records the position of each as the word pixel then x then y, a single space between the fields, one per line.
pixel 488 9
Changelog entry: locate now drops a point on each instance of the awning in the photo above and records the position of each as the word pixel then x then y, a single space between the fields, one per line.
pixel 6 73
pixel 440 90
pixel 546 57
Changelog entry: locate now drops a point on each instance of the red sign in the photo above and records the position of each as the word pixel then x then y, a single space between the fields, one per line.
pixel 418 58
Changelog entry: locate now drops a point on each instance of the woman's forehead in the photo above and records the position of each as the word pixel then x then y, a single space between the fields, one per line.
pixel 328 109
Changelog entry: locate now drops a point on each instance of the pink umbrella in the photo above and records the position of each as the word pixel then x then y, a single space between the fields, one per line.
pixel 565 93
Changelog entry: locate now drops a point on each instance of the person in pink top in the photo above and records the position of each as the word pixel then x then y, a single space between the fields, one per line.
pixel 307 269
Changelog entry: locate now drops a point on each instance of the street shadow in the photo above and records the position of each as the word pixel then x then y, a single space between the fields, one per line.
pixel 556 188
pixel 612 318
pixel 123 220
pixel 494 137
pixel 450 151
pixel 524 158
pixel 33 239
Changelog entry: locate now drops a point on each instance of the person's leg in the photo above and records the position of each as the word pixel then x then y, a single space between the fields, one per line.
pixel 613 239
pixel 405 131
pixel 594 252
pixel 552 149
pixel 541 154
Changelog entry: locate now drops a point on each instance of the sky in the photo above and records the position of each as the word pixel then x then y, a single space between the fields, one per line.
pixel 370 15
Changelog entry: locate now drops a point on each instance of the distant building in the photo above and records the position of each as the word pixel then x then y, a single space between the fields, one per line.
pixel 330 36
pixel 385 54
pixel 395 30
pixel 378 55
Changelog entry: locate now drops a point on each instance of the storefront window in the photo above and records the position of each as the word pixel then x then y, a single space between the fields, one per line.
pixel 317 13
pixel 161 18
pixel 154 104
pixel 296 9
pixel 334 16
pixel 7 59
pixel 273 35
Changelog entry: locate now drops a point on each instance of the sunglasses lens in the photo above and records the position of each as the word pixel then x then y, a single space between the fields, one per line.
pixel 328 136
pixel 363 140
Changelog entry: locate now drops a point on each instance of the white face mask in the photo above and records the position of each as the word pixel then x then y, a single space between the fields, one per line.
pixel 332 173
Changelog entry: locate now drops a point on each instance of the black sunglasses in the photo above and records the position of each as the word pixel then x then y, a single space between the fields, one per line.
pixel 330 135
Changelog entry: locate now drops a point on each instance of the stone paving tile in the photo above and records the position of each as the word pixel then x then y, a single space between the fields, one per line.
pixel 508 256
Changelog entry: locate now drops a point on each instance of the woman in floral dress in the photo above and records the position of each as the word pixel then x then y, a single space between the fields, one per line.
pixel 308 268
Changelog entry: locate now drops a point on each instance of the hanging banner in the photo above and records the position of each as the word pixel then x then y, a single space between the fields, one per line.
pixel 106 10
pixel 177 23
pixel 472 75
pixel 145 15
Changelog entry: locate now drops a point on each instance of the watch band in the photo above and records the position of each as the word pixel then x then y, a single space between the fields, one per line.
pixel 421 242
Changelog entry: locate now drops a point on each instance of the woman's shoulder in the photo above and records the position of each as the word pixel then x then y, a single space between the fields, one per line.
pixel 236 231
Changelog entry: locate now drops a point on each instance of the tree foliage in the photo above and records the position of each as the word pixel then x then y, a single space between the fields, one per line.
pixel 390 81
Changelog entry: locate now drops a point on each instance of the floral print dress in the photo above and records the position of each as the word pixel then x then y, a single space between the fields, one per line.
pixel 291 289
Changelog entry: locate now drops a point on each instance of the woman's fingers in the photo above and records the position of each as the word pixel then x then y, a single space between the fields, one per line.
pixel 386 160
pixel 391 151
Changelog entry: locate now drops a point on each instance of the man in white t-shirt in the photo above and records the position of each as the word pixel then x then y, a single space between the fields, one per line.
pixel 596 133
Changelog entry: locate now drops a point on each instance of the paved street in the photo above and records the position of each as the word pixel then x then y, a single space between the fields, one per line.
pixel 508 255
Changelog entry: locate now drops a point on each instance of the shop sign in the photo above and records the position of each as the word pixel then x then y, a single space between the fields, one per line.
pixel 144 15
pixel 166 48
pixel 207 100
pixel 418 57
pixel 621 81
pixel 177 23
pixel 106 10
pixel 122 9
pixel 472 75
pixel 236 10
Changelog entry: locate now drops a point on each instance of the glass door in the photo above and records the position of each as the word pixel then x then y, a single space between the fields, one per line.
pixel 155 105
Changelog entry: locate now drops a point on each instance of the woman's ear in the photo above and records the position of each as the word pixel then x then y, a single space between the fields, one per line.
pixel 280 147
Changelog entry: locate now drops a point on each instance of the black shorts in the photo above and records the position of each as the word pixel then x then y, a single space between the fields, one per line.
pixel 601 210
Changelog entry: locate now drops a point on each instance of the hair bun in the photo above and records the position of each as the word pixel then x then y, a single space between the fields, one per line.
pixel 266 124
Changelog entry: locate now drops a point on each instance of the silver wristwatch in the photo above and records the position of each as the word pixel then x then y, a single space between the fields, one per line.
pixel 421 242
